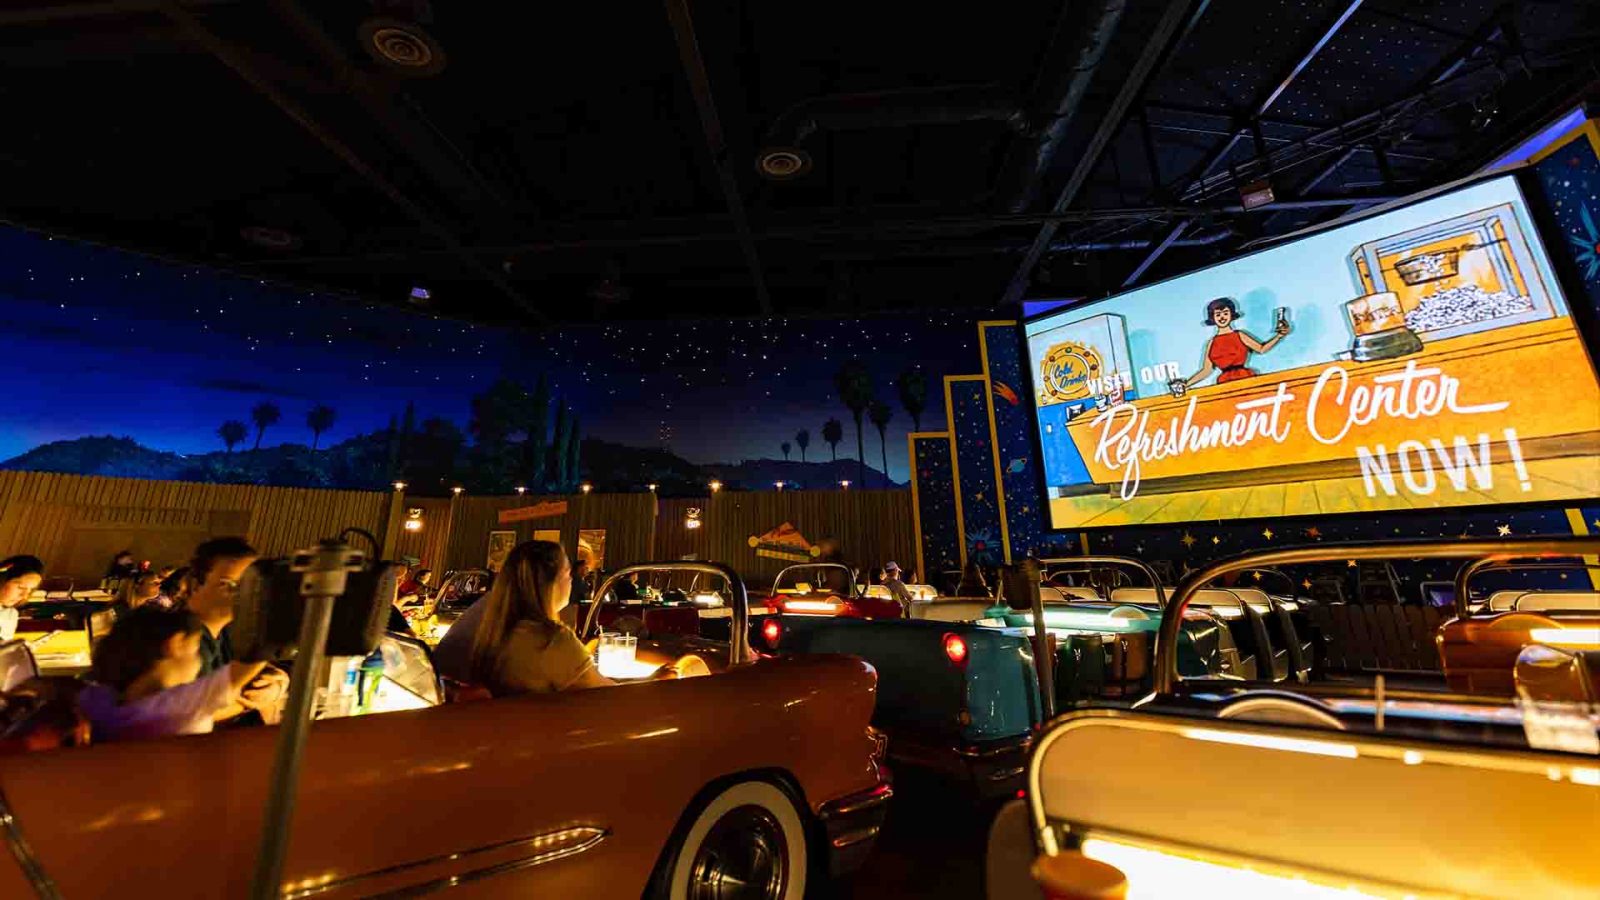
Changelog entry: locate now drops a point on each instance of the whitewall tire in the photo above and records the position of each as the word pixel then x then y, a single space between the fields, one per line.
pixel 748 841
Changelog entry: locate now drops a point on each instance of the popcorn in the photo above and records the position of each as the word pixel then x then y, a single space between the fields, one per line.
pixel 1425 267
pixel 1465 305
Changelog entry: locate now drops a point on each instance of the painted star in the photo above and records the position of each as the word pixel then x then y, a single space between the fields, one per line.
pixel 1256 575
pixel 1306 584
pixel 1587 247
pixel 1504 530
pixel 1215 539
pixel 1349 564
pixel 1266 533
pixel 1188 539
pixel 1313 532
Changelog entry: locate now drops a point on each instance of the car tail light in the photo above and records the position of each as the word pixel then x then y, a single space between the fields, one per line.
pixel 772 633
pixel 955 648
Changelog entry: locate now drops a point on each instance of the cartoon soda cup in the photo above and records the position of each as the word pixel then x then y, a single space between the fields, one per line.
pixel 1374 313
pixel 1379 324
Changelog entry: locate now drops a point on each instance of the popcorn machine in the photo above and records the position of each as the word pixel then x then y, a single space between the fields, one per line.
pixel 1460 276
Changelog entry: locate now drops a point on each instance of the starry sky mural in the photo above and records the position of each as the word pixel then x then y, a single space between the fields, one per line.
pixel 97 341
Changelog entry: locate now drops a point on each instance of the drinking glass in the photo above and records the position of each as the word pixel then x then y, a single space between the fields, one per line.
pixel 617 651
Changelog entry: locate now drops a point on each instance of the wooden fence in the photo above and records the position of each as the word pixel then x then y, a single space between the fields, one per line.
pixel 869 527
pixel 628 521
pixel 431 542
pixel 674 539
pixel 76 523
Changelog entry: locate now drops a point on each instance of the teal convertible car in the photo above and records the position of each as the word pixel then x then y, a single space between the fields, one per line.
pixel 961 687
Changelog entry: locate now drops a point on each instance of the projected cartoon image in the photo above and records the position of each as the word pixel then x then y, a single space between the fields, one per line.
pixel 1389 373
pixel 1230 348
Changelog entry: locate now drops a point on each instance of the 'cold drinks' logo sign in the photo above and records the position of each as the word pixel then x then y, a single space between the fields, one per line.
pixel 1067 372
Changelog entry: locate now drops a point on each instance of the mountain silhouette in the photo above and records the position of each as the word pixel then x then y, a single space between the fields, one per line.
pixel 360 463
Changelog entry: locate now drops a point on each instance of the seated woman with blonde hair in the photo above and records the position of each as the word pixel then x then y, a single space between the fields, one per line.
pixel 520 644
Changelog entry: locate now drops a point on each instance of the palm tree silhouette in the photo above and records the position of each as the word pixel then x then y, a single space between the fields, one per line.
pixel 880 414
pixel 854 384
pixel 913 387
pixel 233 432
pixel 833 433
pixel 319 419
pixel 802 439
pixel 785 448
pixel 265 413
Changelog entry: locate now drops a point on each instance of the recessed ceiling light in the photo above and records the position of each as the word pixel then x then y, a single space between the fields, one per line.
pixel 402 46
pixel 783 163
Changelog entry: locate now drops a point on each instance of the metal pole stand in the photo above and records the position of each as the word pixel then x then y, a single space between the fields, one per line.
pixel 1044 663
pixel 325 569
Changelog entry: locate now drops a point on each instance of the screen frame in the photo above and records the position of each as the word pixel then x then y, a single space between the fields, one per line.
pixel 1562 267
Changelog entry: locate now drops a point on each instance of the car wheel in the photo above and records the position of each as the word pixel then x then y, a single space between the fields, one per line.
pixel 749 841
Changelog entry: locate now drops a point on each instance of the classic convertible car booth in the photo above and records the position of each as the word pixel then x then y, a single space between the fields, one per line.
pixel 649 787
pixel 1379 814
pixel 962 688
pixel 1353 788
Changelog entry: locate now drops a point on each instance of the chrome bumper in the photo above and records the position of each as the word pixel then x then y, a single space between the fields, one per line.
pixel 989 768
pixel 850 825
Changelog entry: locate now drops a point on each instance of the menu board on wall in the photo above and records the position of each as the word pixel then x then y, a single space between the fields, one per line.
pixel 1423 356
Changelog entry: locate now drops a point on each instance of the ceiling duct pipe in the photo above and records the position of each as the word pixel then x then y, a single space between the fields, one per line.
pixel 1062 84
pixel 1207 240
pixel 782 157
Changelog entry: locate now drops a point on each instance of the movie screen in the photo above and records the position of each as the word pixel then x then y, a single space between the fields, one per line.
pixel 1421 357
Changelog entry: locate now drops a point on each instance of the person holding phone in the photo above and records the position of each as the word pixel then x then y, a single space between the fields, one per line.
pixel 1229 349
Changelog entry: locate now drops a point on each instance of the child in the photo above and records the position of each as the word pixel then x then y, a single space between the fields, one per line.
pixel 144 673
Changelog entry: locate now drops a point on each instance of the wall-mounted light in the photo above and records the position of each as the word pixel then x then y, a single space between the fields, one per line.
pixel 652 488
pixel 586 487
pixel 845 484
pixel 414 519
pixel 399 485
pixel 715 485
pixel 778 485
pixel 691 518
pixel 457 489
pixel 521 489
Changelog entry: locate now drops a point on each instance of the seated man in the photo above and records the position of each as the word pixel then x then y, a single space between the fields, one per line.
pixel 213 585
pixel 897 588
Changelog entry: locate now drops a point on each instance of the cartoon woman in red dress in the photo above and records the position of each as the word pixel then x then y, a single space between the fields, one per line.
pixel 1230 349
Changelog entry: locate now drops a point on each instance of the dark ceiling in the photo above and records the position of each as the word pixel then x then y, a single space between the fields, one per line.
pixel 600 161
